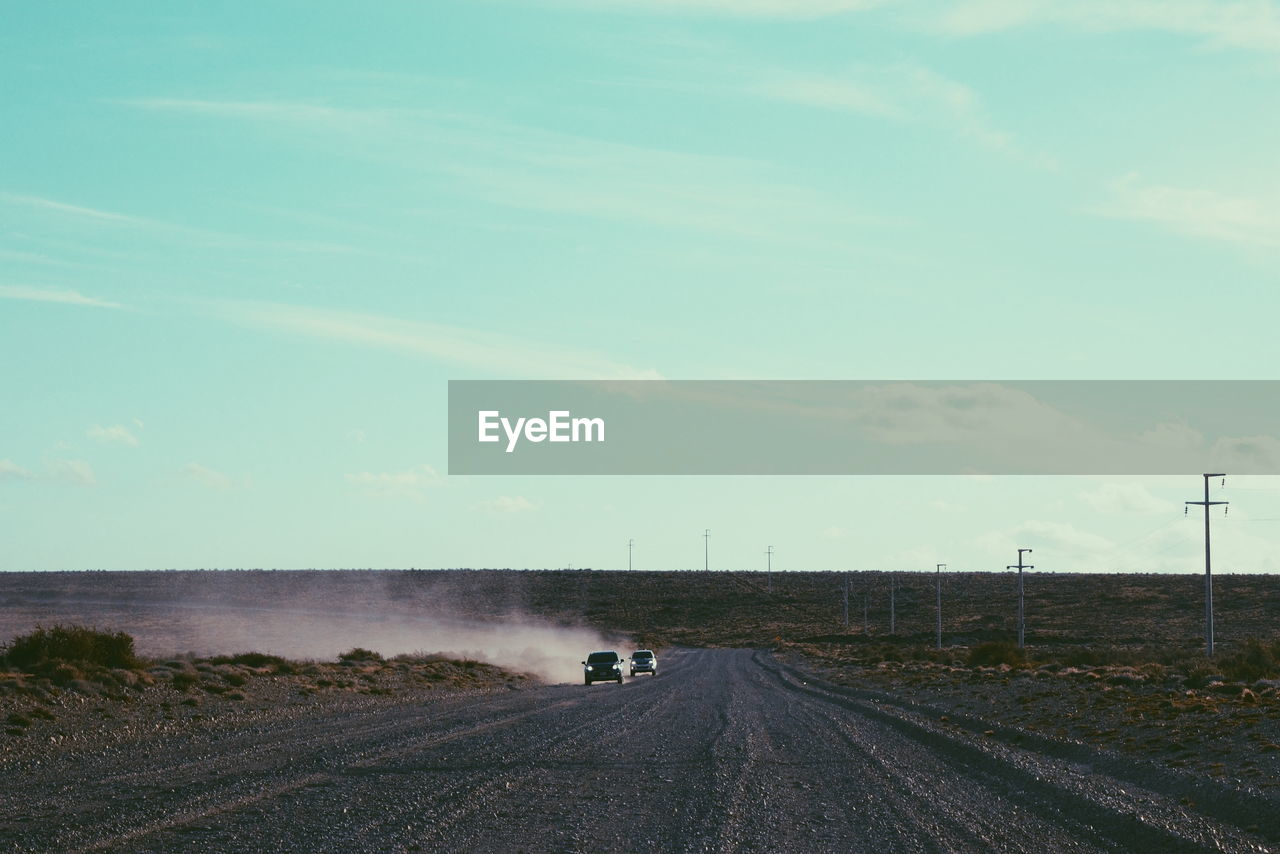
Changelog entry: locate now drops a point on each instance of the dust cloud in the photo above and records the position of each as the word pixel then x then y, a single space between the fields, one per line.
pixel 304 615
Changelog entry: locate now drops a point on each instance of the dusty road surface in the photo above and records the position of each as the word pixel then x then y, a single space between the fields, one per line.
pixel 726 750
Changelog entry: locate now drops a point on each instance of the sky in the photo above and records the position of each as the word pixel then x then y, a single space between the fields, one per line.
pixel 243 249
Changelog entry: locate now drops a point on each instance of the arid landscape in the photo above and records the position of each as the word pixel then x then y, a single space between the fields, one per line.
pixel 1113 678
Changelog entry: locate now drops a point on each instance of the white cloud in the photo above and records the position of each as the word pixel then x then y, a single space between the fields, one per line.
pixel 9 470
pixel 153 229
pixel 1196 213
pixel 357 436
pixel 1117 498
pixel 904 92
pixel 63 208
pixel 116 435
pixel 1067 547
pixel 900 92
pixel 410 483
pixel 789 9
pixel 207 477
pixel 68 297
pixel 1246 453
pixel 832 532
pixel 828 92
pixel 508 504
pixel 498 354
pixel 530 168
pixel 1247 24
pixel 77 472
pixel 1172 435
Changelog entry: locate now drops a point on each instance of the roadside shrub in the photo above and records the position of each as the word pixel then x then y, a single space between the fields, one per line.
pixel 75 645
pixel 359 653
pixel 251 659
pixel 184 679
pixel 1199 675
pixel 1089 656
pixel 994 653
pixel 1256 660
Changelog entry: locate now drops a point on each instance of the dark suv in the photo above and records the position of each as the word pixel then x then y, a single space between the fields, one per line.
pixel 602 667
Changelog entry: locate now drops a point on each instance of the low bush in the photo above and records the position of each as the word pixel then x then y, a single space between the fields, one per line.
pixel 184 679
pixel 75 645
pixel 251 659
pixel 1255 660
pixel 359 653
pixel 995 653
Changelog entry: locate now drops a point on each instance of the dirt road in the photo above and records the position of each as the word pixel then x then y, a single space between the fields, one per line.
pixel 726 750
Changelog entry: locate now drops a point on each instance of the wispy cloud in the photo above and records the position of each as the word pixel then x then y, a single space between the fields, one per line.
pixel 64 216
pixel 1195 212
pixel 901 92
pixel 499 354
pixel 9 470
pixel 1129 497
pixel 828 92
pixel 1248 24
pixel 67 297
pixel 410 483
pixel 115 435
pixel 63 208
pixel 1072 548
pixel 77 472
pixel 507 504
pixel 790 9
pixel 207 477
pixel 531 168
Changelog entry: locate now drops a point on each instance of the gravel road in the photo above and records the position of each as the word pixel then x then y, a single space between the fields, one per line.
pixel 726 750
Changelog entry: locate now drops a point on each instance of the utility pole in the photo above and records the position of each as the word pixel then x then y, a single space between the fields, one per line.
pixel 706 549
pixel 769 570
pixel 1208 575
pixel 630 545
pixel 893 603
pixel 846 601
pixel 938 605
pixel 1019 566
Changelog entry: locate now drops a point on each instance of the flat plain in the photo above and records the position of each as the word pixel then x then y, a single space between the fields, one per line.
pixel 772 726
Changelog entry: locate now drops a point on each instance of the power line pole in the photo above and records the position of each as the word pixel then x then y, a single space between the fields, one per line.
pixel 938 605
pixel 1208 575
pixel 769 570
pixel 630 545
pixel 893 603
pixel 1020 567
pixel 706 549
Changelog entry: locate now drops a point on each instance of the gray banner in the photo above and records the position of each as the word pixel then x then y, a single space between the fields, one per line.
pixel 670 427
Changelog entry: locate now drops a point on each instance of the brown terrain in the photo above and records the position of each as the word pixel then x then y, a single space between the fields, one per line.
pixel 1113 684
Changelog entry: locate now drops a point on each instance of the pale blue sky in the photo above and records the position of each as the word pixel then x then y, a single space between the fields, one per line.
pixel 243 248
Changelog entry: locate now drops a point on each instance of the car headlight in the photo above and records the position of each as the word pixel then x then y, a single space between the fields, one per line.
pixel 617 667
